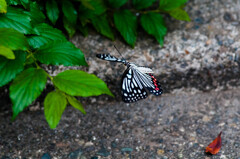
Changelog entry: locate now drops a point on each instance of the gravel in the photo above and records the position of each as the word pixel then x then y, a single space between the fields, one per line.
pixel 198 68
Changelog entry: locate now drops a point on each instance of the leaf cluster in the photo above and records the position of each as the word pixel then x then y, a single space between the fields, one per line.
pixel 109 17
pixel 27 42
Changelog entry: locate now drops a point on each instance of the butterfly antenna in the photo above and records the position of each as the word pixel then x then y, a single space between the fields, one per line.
pixel 118 51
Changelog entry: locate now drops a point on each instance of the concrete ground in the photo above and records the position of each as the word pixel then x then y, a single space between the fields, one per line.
pixel 172 126
pixel 198 68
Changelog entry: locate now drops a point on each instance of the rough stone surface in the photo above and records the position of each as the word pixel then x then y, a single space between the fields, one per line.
pixel 172 126
pixel 198 68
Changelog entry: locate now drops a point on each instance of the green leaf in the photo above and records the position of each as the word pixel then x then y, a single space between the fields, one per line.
pixel 87 4
pixel 69 12
pixel 36 14
pixel 13 2
pixel 83 29
pixel 52 10
pixel 70 28
pixel 60 53
pixel 100 23
pixel 45 34
pixel 79 83
pixel 179 14
pixel 24 3
pixel 3 6
pixel 54 106
pixel 26 87
pixel 70 17
pixel 126 24
pixel 17 19
pixel 13 39
pixel 153 24
pixel 75 103
pixel 8 53
pixel 10 68
pixel 116 3
pixel 141 4
pixel 85 13
pixel 171 4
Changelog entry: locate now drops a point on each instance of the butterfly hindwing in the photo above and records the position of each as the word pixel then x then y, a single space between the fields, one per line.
pixel 132 89
pixel 157 90
pixel 148 81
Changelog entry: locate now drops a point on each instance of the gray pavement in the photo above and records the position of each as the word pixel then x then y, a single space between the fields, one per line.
pixel 198 68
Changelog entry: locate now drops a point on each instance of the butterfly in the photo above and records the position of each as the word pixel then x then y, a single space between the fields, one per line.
pixel 136 80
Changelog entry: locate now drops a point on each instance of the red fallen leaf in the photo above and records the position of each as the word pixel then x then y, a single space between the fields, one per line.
pixel 215 146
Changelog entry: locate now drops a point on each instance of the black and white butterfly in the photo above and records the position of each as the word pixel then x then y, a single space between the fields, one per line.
pixel 135 80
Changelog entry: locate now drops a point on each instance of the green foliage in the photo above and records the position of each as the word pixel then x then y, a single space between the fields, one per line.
pixel 12 39
pixel 44 34
pixel 126 24
pixel 73 83
pixel 58 52
pixel 27 42
pixel 116 3
pixel 8 53
pixel 107 15
pixel 10 68
pixel 54 105
pixel 141 4
pixel 3 6
pixel 26 87
pixel 16 19
pixel 153 24
pixel 52 10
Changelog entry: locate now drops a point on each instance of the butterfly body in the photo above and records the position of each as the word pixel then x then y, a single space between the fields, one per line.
pixel 135 80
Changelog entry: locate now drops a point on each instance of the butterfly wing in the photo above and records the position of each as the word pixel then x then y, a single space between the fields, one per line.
pixel 148 81
pixel 132 89
pixel 157 90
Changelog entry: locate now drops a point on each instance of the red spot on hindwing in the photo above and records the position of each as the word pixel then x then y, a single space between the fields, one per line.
pixel 154 82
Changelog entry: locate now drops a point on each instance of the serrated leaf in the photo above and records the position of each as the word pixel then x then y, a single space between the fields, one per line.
pixel 54 106
pixel 141 4
pixel 79 83
pixel 36 14
pixel 75 103
pixel 6 52
pixel 26 87
pixel 10 68
pixel 116 3
pixel 171 4
pixel 17 19
pixel 3 6
pixel 153 24
pixel 13 39
pixel 60 53
pixel 179 14
pixel 126 24
pixel 52 10
pixel 100 23
pixel 45 34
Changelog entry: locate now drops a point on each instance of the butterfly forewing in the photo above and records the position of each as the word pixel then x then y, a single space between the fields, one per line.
pixel 132 89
